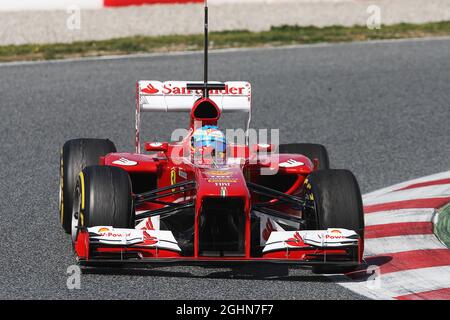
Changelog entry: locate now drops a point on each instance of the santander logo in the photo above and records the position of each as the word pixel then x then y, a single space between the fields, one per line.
pixel 148 239
pixel 150 89
pixel 170 88
pixel 296 241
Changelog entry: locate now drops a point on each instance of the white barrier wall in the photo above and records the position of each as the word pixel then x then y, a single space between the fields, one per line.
pixel 25 5
pixel 30 5
pixel 53 26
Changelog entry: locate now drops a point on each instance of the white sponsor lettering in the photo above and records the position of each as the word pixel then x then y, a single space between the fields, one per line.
pixel 169 88
pixel 125 162
pixel 291 163
pixel 156 144
pixel 182 174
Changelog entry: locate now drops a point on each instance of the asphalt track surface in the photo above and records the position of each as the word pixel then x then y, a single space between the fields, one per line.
pixel 382 109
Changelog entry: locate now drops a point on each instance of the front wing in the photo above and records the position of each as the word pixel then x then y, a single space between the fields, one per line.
pixel 108 246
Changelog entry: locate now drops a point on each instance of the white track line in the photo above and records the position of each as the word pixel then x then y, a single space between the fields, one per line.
pixel 377 193
pixel 388 245
pixel 406 282
pixel 434 191
pixel 399 216
pixel 391 285
pixel 416 280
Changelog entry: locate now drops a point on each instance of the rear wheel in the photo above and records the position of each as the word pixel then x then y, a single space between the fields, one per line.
pixel 338 204
pixel 311 150
pixel 77 154
pixel 102 197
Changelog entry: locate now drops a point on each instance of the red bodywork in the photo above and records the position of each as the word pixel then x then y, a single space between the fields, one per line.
pixel 173 164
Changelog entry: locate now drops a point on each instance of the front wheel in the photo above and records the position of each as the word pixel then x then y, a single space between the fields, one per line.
pixel 102 198
pixel 338 204
pixel 77 154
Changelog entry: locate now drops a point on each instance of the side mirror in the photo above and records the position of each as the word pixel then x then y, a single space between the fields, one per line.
pixel 156 146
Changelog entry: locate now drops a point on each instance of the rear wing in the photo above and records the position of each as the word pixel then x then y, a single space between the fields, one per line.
pixel 174 96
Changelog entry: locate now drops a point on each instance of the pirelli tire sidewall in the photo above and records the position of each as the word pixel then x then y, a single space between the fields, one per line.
pixel 337 199
pixel 106 193
pixel 336 196
pixel 75 155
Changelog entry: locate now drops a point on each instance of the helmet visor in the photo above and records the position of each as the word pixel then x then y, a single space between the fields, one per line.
pixel 217 146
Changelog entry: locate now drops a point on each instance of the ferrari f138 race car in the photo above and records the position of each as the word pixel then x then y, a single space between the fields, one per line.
pixel 203 200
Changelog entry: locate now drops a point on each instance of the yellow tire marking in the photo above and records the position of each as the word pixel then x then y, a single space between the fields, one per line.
pixel 61 183
pixel 82 198
pixel 82 190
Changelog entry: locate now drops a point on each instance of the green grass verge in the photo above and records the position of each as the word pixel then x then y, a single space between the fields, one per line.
pixel 277 36
pixel 442 227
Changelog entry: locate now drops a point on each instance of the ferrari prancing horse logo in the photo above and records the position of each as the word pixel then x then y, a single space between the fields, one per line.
pixel 173 177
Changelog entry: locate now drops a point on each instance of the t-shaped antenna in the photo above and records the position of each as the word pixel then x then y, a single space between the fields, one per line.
pixel 205 86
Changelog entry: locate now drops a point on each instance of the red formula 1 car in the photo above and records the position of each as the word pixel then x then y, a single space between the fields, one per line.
pixel 204 200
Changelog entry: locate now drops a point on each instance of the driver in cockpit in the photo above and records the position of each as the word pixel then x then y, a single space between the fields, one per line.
pixel 208 146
